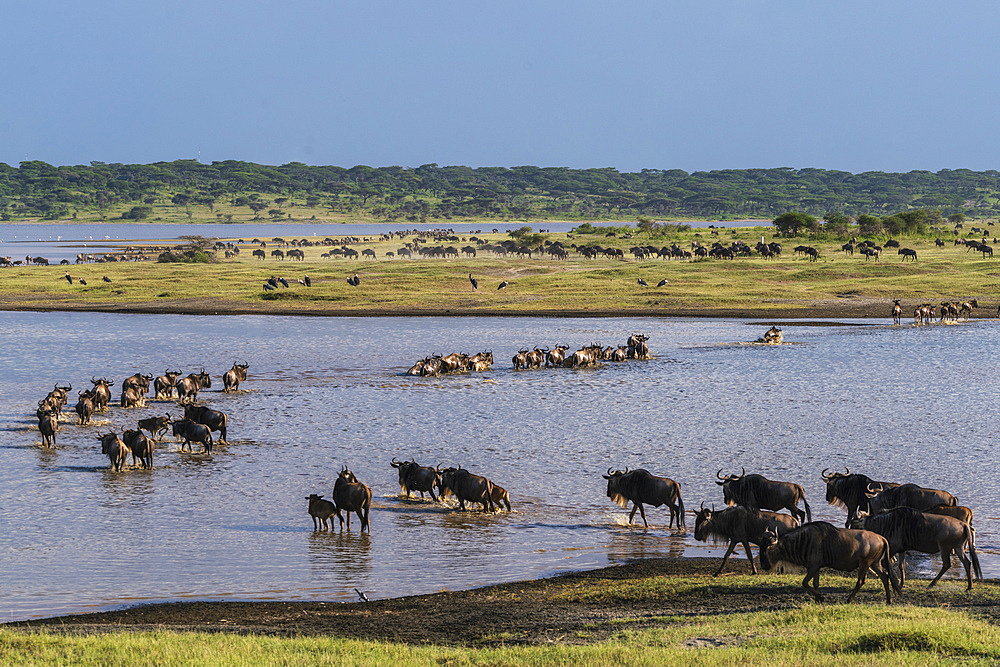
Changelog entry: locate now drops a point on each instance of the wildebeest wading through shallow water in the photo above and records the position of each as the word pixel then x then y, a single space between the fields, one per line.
pixel 415 477
pixel 756 492
pixel 640 486
pixel 350 495
pixel 820 544
pixel 238 373
pixel 188 388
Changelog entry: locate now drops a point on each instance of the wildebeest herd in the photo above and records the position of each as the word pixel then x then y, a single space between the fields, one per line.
pixel 560 356
pixel 196 426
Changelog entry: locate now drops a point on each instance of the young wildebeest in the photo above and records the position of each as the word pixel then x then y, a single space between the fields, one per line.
pixel 907 529
pixel 141 446
pixel 740 526
pixel 756 492
pixel 320 510
pixel 415 477
pixel 213 419
pixel 190 432
pixel 820 544
pixel 500 498
pixel 157 426
pixel 350 495
pixel 238 373
pixel 954 511
pixel 640 486
pixel 906 495
pixel 116 450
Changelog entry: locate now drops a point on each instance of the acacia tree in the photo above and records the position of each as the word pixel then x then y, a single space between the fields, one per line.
pixel 790 223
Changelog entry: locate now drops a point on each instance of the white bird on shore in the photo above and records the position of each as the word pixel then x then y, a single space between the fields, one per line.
pixel 362 596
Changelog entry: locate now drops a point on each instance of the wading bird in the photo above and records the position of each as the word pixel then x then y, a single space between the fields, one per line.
pixel 662 283
pixel 475 283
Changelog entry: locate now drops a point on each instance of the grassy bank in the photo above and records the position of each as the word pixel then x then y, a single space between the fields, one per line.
pixel 835 285
pixel 659 612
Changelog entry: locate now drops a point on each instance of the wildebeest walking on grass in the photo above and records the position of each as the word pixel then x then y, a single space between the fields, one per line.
pixel 740 526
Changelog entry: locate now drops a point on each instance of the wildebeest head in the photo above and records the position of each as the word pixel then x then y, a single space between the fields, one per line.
pixel 614 489
pixel 729 494
pixel 833 484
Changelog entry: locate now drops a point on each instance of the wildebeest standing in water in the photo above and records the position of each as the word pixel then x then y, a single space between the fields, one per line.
pixel 141 447
pixel 215 420
pixel 116 450
pixel 850 491
pixel 350 495
pixel 85 406
pixel 187 388
pixel 102 393
pixel 163 386
pixel 156 426
pixel 466 486
pixel 231 380
pixel 415 477
pixel 906 495
pixel 907 529
pixel 190 432
pixel 320 510
pixel 756 492
pixel 640 486
pixel 739 525
pixel 820 544
pixel 47 426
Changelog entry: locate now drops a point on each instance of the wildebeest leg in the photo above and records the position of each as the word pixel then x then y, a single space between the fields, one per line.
pixel 814 591
pixel 960 551
pixel 642 513
pixel 753 567
pixel 315 523
pixel 945 565
pixel 729 551
pixel 862 577
pixel 902 569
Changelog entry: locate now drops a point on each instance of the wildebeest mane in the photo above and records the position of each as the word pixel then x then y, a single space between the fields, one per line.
pixel 621 500
pixel 723 524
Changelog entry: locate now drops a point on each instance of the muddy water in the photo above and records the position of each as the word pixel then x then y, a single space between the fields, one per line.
pixel 904 403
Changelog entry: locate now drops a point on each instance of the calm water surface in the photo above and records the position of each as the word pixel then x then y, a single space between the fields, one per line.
pixel 905 403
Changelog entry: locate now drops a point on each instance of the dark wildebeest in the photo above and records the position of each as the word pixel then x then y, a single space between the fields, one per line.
pixel 536 357
pixel 415 477
pixel 156 426
pixel 417 367
pixel 906 252
pixel 116 450
pixel 215 420
pixel 739 525
pixel 102 393
pixel 47 426
pixel 500 497
pixel 640 486
pixel 163 386
pixel 906 495
pixel 556 357
pixel 756 492
pixel 238 373
pixel 482 361
pixel 637 348
pixel 139 381
pixel 188 387
pixel 897 311
pixel 454 362
pixel 85 406
pixel 131 398
pixel 820 544
pixel 431 366
pixel 141 447
pixel 59 396
pixel 350 495
pixel 967 307
pixel 955 511
pixel 259 253
pixel 520 360
pixel 850 491
pixel 908 529
pixel 465 486
pixel 320 510
pixel 190 432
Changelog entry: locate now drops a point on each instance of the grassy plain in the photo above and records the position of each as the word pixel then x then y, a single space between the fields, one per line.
pixel 657 612
pixel 790 286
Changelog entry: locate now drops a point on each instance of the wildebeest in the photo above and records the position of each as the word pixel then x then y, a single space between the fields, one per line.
pixel 116 450
pixel 187 388
pixel 238 373
pixel 850 491
pixel 131 398
pixel 955 511
pixel 820 544
pixel 139 381
pixel 466 487
pixel 259 253
pixel 967 307
pixel 907 252
pixel 415 477
pixel 906 495
pixel 431 366
pixel 85 406
pixel 897 311
pixel 482 361
pixel 215 420
pixel 520 360
pixel 47 426
pixel 739 525
pixel 454 362
pixel 163 386
pixel 536 357
pixel 59 396
pixel 350 495
pixel 156 426
pixel 637 348
pixel 756 492
pixel 189 432
pixel 141 447
pixel 556 357
pixel 320 510
pixel 640 486
pixel 102 393
pixel 500 497
pixel 907 529
pixel 417 367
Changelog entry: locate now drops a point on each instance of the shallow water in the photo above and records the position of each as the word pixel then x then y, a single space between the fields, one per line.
pixel 898 403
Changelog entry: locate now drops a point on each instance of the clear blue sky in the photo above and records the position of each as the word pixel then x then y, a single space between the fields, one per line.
pixel 857 86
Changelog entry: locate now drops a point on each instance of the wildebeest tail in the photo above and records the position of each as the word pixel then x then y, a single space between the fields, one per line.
pixel 970 534
pixel 680 506
pixel 808 511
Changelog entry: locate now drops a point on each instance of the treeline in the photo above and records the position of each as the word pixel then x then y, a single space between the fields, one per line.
pixel 431 192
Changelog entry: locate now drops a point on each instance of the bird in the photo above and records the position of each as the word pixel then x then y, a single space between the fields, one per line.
pixel 106 279
pixel 356 280
pixel 643 282
pixel 69 278
pixel 268 287
pixel 503 285
pixel 273 282
pixel 361 595
pixel 475 283
pixel 662 283
pixel 283 282
pixel 309 283
pixel 82 281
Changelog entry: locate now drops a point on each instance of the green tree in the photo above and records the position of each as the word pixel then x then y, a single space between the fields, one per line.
pixel 790 223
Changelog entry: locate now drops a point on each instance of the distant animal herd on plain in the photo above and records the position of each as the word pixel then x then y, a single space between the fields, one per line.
pixel 884 519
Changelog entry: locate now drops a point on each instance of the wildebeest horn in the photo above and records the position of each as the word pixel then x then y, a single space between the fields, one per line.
pixel 626 471
pixel 719 475
pixel 825 476
pixel 93 379
pixel 609 472
pixel 743 474
pixel 394 462
pixel 702 506
pixel 847 471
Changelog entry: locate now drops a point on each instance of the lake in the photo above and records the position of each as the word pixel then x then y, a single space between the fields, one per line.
pixel 897 403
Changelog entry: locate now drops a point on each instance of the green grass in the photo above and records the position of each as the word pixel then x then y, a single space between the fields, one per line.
pixel 813 635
